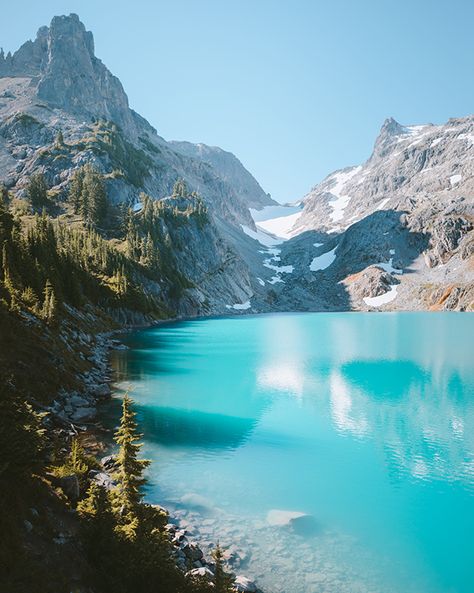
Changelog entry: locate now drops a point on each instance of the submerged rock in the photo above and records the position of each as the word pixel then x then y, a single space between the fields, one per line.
pixel 280 518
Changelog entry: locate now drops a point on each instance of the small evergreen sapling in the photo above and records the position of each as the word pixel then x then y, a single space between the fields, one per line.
pixel 129 475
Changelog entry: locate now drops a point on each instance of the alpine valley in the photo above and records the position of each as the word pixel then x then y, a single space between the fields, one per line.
pixel 105 225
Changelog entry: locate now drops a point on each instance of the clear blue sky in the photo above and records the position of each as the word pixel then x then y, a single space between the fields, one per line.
pixel 295 88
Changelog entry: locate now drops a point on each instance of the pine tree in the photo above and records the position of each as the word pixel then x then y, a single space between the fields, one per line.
pixel 3 194
pixel 21 438
pixel 93 196
pixel 180 189
pixel 8 282
pixel 38 190
pixel 98 524
pixel 48 311
pixel 75 189
pixel 222 581
pixel 29 298
pixel 130 469
pixel 53 306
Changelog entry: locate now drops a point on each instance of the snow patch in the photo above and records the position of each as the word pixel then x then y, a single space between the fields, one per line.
pixel 382 204
pixel 271 263
pixel 321 262
pixel 240 306
pixel 455 179
pixel 435 142
pixel 339 204
pixel 468 137
pixel 382 299
pixel 261 236
pixel 277 220
pixel 261 282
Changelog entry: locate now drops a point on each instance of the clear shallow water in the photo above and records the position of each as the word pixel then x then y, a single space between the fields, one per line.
pixel 364 422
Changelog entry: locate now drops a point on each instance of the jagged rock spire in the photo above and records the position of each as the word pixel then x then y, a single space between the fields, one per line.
pixel 388 132
pixel 69 75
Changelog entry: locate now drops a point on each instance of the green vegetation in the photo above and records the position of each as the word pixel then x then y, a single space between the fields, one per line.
pixel 55 276
pixel 88 196
pixel 126 544
pixel 45 264
pixel 222 580
pixel 37 191
pixel 25 119
pixel 124 156
pixel 77 463
pixel 22 442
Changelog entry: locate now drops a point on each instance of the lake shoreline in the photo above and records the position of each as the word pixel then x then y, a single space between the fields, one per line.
pixel 80 411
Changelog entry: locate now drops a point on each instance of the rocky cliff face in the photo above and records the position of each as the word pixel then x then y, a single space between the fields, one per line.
pixel 231 170
pixel 69 75
pixel 408 211
pixel 56 83
pixel 409 164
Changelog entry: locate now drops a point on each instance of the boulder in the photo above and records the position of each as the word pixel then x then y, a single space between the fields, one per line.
pixel 77 401
pixel 101 391
pixel 70 486
pixel 28 526
pixel 193 552
pixel 202 572
pixel 102 479
pixel 242 583
pixel 83 414
pixel 279 518
pixel 109 462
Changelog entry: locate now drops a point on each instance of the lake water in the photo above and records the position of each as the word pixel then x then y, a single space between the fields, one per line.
pixel 364 423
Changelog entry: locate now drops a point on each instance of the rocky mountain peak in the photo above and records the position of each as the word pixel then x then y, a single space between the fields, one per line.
pixel 69 76
pixel 389 132
pixel 391 127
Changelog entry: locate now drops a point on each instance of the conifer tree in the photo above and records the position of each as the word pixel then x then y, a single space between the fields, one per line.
pixel 21 438
pixel 37 190
pixel 222 581
pixel 49 308
pixel 98 522
pixel 8 279
pixel 75 189
pixel 94 197
pixel 3 194
pixel 180 189
pixel 130 468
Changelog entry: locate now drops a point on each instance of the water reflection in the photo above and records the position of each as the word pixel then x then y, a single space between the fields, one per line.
pixel 365 423
pixel 346 416
pixel 427 426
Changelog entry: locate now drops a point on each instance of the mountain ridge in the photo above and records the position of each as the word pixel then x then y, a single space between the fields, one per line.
pixel 420 176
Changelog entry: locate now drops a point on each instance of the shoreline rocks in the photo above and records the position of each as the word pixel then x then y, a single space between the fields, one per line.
pixel 79 408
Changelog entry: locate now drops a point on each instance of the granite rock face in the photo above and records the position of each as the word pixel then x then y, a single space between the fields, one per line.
pixel 56 83
pixel 411 203
pixel 231 170
pixel 69 75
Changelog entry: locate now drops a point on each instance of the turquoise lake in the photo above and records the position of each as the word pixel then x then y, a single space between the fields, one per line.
pixel 361 425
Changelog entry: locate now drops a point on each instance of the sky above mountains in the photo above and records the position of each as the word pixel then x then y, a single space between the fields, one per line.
pixel 295 89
